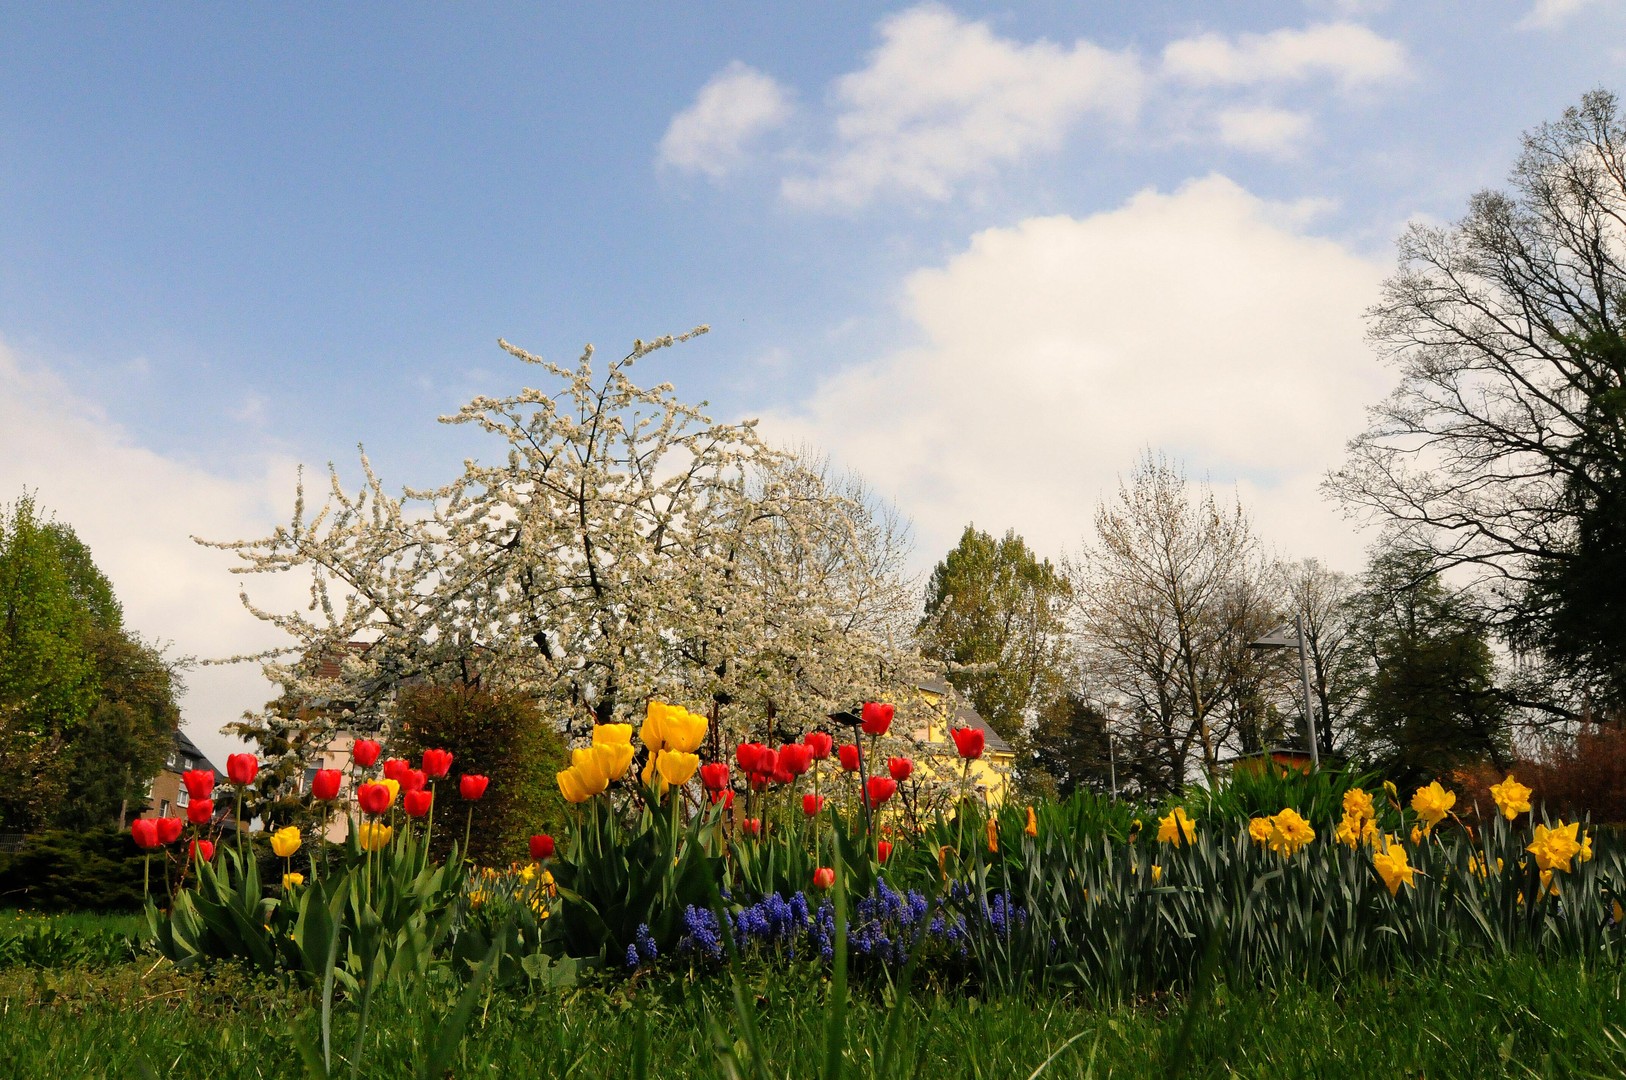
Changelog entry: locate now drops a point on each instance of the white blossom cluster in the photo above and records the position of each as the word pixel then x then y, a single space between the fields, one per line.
pixel 625 547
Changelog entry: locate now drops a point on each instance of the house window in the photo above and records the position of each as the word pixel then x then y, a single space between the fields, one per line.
pixel 183 798
pixel 163 807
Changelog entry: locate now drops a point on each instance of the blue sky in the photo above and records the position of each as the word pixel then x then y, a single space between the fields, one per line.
pixel 984 255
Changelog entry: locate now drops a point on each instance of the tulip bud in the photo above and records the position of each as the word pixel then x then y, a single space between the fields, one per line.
pixel 416 803
pixel 325 784
pixel 374 797
pixel 881 788
pixel 144 831
pixel 365 752
pixel 200 811
pixel 877 718
pixel 203 848
pixel 169 829
pixel 848 756
pixel 242 768
pixel 413 780
pixel 541 847
pixel 437 763
pixel 820 743
pixel 285 841
pixel 968 742
pixel 200 783
pixel 900 768
pixel 395 768
pixel 751 826
pixel 726 797
pixel 883 850
pixel 824 877
pixel 472 786
pixel 812 804
pixel 714 776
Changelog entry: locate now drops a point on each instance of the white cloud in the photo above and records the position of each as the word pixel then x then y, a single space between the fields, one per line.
pixel 943 99
pixel 1351 54
pixel 1205 323
pixel 1549 14
pixel 136 510
pixel 1263 129
pixel 712 136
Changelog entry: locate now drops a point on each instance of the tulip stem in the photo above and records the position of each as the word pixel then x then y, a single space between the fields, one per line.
pixel 467 825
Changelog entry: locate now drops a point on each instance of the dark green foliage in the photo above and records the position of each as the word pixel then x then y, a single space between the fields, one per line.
pixel 1069 745
pixel 1430 699
pixel 994 614
pixel 500 735
pixel 75 870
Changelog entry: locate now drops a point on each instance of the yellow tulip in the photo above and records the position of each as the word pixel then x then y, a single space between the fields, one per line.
pixel 612 735
pixel 613 758
pixel 285 841
pixel 292 881
pixel 683 730
pixel 654 721
pixel 590 766
pixel 572 788
pixel 1033 823
pixel 373 836
pixel 677 767
pixel 395 789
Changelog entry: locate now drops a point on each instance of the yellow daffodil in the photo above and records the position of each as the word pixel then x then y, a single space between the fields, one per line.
pixel 1175 827
pixel 1289 832
pixel 1585 854
pixel 1432 803
pixel 1258 830
pixel 571 786
pixel 677 767
pixel 1417 834
pixel 1390 790
pixel 372 836
pixel 1555 847
pixel 1512 798
pixel 1033 823
pixel 1157 873
pixel 1356 830
pixel 285 841
pixel 1358 804
pixel 292 881
pixel 1394 867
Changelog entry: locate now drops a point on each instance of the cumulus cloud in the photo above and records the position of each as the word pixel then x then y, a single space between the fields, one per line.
pixel 1263 130
pixel 713 136
pixel 1549 14
pixel 1352 55
pixel 136 510
pixel 943 99
pixel 1206 323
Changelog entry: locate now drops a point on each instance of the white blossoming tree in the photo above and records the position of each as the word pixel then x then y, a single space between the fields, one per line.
pixel 623 547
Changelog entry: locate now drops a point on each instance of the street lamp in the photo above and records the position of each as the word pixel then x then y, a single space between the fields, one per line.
pixel 1278 639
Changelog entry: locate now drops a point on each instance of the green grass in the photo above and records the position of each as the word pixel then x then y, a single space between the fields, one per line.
pixel 1505 1018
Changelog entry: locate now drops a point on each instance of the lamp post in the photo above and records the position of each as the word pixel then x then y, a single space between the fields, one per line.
pixel 1278 639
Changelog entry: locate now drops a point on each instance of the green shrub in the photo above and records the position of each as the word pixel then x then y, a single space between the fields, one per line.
pixel 60 870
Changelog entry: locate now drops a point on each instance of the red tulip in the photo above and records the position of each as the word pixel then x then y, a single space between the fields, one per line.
pixel 416 803
pixel 883 850
pixel 200 783
pixel 877 718
pixel 900 768
pixel 205 848
pixel 795 759
pixel 200 811
pixel 437 763
pixel 760 781
pixel 848 756
pixel 782 776
pixel 812 804
pixel 753 757
pixel 968 741
pixel 242 768
pixel 169 829
pixel 714 776
pixel 413 780
pixel 395 768
pixel 724 797
pixel 541 847
pixel 820 743
pixel 144 831
pixel 751 826
pixel 823 877
pixel 881 788
pixel 472 786
pixel 374 797
pixel 365 752
pixel 325 784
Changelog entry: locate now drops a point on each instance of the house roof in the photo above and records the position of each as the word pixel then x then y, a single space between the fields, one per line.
pixel 191 755
pixel 966 716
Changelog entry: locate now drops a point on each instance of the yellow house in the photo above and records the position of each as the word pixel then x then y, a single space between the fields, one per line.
pixel 992 772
